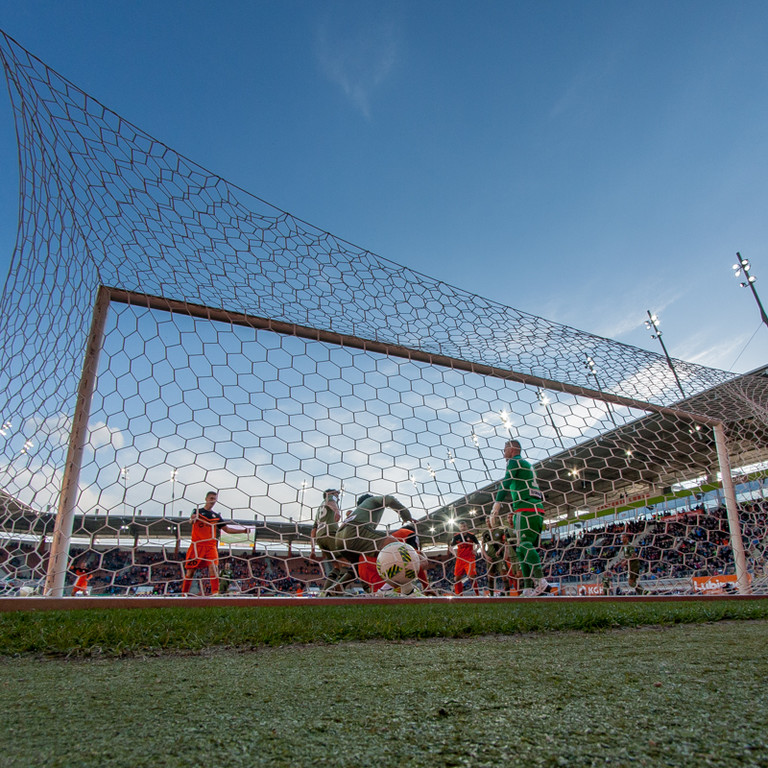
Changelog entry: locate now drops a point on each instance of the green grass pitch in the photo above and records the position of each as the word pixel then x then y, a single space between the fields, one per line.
pixel 546 684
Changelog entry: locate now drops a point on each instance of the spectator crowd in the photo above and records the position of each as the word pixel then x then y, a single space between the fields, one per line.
pixel 692 543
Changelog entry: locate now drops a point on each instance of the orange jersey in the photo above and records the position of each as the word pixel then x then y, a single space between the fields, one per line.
pixel 206 525
pixel 465 545
pixel 82 581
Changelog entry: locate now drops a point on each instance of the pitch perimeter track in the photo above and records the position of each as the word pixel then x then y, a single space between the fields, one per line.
pixel 10 604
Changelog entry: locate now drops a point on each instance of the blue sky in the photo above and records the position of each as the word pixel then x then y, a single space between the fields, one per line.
pixel 582 161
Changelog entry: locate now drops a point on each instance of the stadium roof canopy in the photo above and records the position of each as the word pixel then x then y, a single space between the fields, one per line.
pixel 645 457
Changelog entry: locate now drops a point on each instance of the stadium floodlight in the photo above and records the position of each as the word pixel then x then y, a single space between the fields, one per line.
pixel 476 441
pixel 652 324
pixel 418 492
pixel 174 472
pixel 545 401
pixel 592 368
pixel 301 499
pixel 437 485
pixel 743 267
pixel 506 422
pixel 452 461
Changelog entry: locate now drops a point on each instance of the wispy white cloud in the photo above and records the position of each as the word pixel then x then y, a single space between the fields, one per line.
pixel 357 61
pixel 700 349
pixel 618 321
pixel 584 84
pixel 612 314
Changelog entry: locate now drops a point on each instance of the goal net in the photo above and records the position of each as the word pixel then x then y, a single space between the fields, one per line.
pixel 166 334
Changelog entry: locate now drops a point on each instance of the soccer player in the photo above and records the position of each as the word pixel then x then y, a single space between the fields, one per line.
pixel 323 533
pixel 633 563
pixel 80 587
pixel 492 545
pixel 359 539
pixel 514 572
pixel 607 582
pixel 204 549
pixel 466 544
pixel 520 490
pixel 323 536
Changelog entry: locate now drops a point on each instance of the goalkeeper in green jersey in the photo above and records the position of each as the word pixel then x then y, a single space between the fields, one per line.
pixel 521 492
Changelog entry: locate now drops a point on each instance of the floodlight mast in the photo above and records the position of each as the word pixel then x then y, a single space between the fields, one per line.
pixel 743 266
pixel 652 323
pixel 590 366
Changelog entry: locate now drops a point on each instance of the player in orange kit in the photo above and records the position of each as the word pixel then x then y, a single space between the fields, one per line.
pixel 204 549
pixel 81 582
pixel 466 544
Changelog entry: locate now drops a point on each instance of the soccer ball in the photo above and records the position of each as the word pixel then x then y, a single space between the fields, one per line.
pixel 398 563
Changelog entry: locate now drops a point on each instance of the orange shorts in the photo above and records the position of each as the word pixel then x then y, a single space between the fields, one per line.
pixel 465 568
pixel 366 570
pixel 201 554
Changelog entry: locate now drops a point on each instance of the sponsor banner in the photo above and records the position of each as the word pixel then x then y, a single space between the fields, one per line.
pixel 715 584
pixel 624 500
pixel 590 590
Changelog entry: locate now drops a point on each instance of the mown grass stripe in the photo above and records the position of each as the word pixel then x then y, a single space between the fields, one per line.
pixel 181 628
